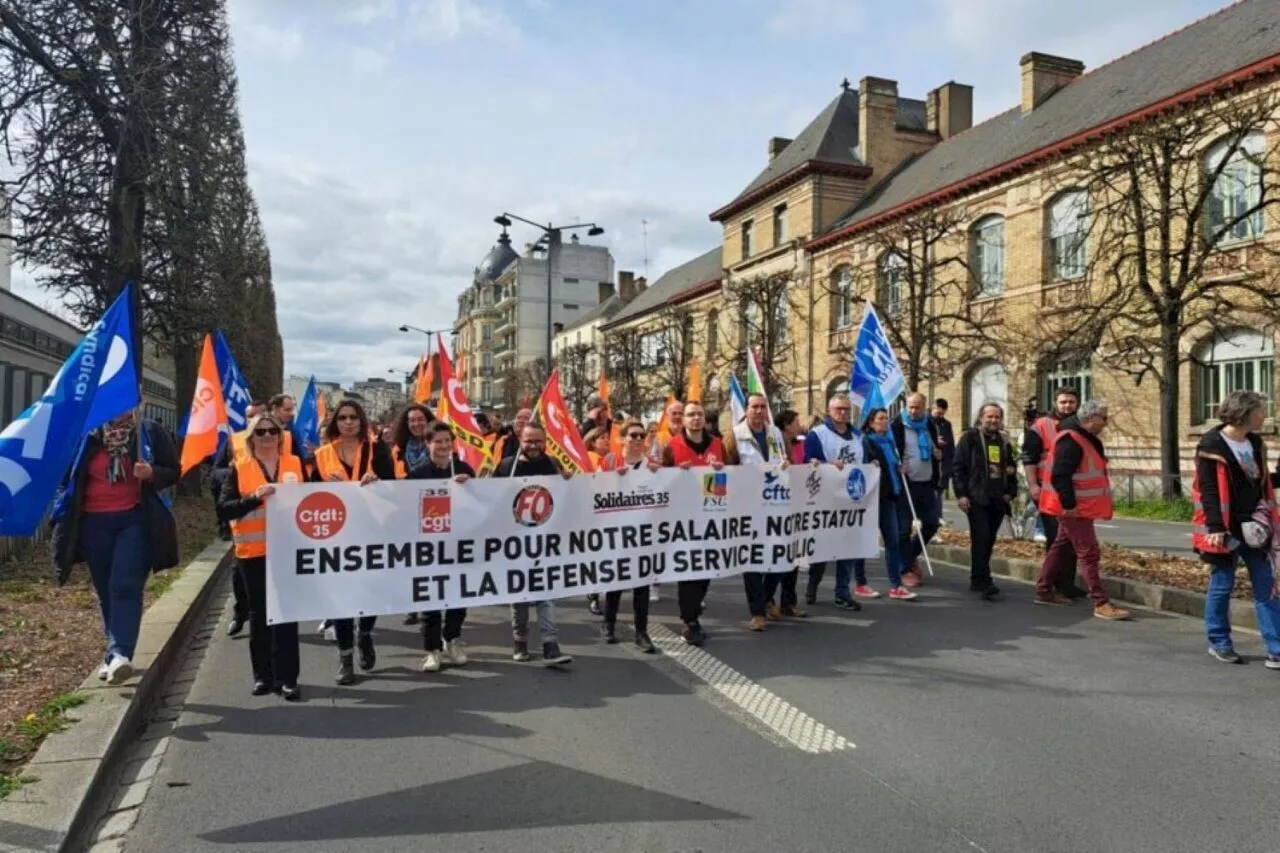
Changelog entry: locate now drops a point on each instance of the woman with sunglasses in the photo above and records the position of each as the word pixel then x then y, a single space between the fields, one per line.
pixel 350 455
pixel 633 458
pixel 442 648
pixel 250 482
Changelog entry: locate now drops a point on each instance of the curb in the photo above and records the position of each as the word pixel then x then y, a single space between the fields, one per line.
pixel 1166 599
pixel 57 812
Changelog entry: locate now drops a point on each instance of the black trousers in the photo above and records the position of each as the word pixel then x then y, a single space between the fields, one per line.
pixel 785 580
pixel 345 631
pixel 432 623
pixel 273 649
pixel 757 590
pixel 690 595
pixel 240 597
pixel 639 607
pixel 1065 582
pixel 984 526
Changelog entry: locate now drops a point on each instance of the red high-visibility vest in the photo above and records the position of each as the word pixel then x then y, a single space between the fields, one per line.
pixel 1199 519
pixel 1047 428
pixel 1090 481
pixel 681 452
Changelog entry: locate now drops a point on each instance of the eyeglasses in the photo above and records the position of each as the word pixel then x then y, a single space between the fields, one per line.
pixel 636 436
pixel 348 417
pixel 841 409
pixel 267 431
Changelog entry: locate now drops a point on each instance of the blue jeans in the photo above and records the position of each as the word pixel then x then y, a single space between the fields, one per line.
pixel 891 535
pixel 1222 578
pixel 114 544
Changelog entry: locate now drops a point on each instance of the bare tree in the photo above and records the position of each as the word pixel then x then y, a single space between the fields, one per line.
pixel 1177 206
pixel 676 338
pixel 765 312
pixel 523 383
pixel 624 367
pixel 576 382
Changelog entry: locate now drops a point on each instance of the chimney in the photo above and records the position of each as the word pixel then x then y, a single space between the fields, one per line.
pixel 1042 75
pixel 626 286
pixel 641 284
pixel 949 109
pixel 776 146
pixel 877 118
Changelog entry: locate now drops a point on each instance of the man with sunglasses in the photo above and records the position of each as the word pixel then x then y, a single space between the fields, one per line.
pixel 632 458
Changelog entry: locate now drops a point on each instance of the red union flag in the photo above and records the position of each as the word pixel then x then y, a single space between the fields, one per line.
pixel 564 442
pixel 453 410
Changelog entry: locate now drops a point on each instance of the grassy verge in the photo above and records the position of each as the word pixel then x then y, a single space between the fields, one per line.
pixel 51 637
pixel 1156 509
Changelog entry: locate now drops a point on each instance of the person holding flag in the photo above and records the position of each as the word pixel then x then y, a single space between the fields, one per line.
pixel 349 455
pixel 916 435
pixel 217 477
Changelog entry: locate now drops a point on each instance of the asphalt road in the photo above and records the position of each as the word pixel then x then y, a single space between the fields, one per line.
pixel 1154 536
pixel 945 725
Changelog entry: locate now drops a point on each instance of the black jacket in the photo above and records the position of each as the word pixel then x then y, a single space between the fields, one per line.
pixel 430 471
pixel 543 465
pixel 162 529
pixel 947 438
pixel 1067 458
pixel 900 438
pixel 1245 492
pixel 887 473
pixel 972 479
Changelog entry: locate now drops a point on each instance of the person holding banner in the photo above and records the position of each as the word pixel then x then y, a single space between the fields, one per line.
pixel 232 448
pixel 533 461
pixel 881 449
pixel 113 518
pixel 916 435
pixel 273 649
pixel 409 450
pixel 788 423
pixel 755 441
pixel 834 441
pixel 442 647
pixel 693 447
pixel 350 455
pixel 632 458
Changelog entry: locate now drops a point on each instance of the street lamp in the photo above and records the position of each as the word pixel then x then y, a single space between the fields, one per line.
pixel 405 327
pixel 552 233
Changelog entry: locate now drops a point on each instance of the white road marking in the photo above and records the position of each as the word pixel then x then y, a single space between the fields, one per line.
pixel 775 713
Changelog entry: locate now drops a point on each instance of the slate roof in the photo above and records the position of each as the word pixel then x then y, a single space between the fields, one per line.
pixel 687 276
pixel 1233 38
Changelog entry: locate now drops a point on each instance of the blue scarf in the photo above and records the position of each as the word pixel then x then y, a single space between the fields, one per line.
pixel 921 428
pixel 889 448
pixel 415 454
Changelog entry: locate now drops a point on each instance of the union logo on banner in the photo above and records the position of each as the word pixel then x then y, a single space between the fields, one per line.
pixel 435 510
pixel 533 506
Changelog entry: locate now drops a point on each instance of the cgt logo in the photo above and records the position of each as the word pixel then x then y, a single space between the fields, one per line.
pixel 774 491
pixel 533 506
pixel 321 515
pixel 715 490
pixel 855 485
pixel 435 510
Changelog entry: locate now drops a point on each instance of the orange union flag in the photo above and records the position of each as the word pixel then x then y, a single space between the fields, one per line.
pixel 563 439
pixel 208 413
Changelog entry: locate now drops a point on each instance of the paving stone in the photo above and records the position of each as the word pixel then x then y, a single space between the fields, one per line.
pixel 116 825
pixel 131 796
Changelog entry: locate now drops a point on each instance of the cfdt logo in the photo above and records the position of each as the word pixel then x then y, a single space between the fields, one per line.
pixel 321 515
pixel 856 485
pixel 715 490
pixel 533 506
pixel 435 510
pixel 774 490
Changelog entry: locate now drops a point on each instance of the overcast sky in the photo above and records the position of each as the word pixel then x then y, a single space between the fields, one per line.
pixel 385 135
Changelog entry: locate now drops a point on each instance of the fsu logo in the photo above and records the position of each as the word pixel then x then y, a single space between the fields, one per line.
pixel 321 515
pixel 715 491
pixel 436 511
pixel 533 506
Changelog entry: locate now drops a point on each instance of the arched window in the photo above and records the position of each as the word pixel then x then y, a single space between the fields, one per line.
pixel 1068 231
pixel 842 298
pixel 988 382
pixel 988 256
pixel 1242 360
pixel 1234 210
pixel 889 283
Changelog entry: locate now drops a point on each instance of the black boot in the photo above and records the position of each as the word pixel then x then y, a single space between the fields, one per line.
pixel 368 654
pixel 811 591
pixel 643 643
pixel 609 632
pixel 346 671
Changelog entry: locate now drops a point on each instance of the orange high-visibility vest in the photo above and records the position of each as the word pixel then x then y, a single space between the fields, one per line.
pixel 1090 481
pixel 250 532
pixel 330 466
pixel 1200 520
pixel 1047 428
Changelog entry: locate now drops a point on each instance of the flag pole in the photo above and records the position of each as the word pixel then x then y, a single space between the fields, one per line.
pixel 916 527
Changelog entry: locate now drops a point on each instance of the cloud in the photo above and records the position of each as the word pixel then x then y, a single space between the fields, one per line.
pixel 453 20
pixel 810 19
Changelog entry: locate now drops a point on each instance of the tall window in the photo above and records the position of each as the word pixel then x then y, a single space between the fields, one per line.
pixel 780 234
pixel 1243 360
pixel 713 334
pixel 1234 210
pixel 652 353
pixel 753 328
pixel 1075 374
pixel 842 298
pixel 1068 230
pixel 890 279
pixel 988 257
pixel 747 228
pixel 486 364
pixel 486 392
pixel 486 333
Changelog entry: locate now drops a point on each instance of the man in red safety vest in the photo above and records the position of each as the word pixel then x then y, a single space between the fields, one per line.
pixel 1077 494
pixel 1037 447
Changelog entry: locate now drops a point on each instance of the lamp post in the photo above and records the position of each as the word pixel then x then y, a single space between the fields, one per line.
pixel 405 327
pixel 553 235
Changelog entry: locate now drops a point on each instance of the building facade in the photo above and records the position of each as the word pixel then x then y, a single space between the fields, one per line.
pixel 384 398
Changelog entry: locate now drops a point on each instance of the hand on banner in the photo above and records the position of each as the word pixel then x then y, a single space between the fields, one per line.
pixel 143 471
pixel 264 491
pixel 568 475
pixel 462 478
pixel 686 465
pixel 368 478
pixel 784 465
pixel 717 465
pixel 839 463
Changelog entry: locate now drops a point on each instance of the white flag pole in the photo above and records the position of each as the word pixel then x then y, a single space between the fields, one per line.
pixel 916 527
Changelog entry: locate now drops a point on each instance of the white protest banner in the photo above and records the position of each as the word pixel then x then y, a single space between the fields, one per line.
pixel 342 549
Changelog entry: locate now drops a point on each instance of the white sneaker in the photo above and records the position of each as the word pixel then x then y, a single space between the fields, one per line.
pixel 431 663
pixel 454 653
pixel 653 593
pixel 102 672
pixel 119 670
pixel 331 634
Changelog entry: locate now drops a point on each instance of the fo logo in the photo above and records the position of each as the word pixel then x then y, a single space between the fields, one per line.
pixel 532 506
pixel 856 485
pixel 320 515
pixel 435 510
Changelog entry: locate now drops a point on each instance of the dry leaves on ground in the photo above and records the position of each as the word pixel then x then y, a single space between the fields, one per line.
pixel 1179 572
pixel 51 637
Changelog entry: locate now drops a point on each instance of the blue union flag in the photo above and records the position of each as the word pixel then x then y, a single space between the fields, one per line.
pixel 876 377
